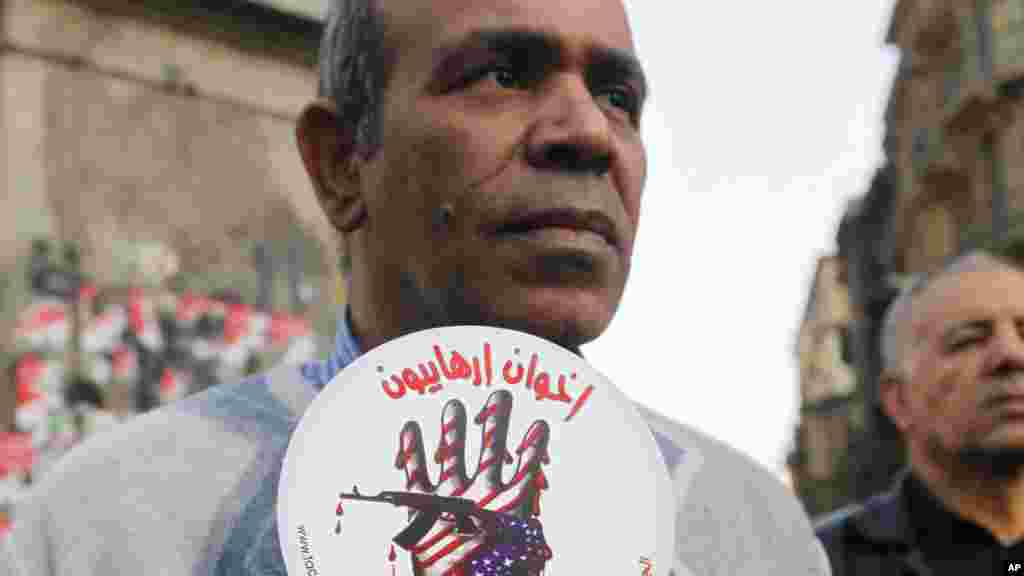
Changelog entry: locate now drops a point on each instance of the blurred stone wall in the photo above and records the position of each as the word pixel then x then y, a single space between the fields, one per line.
pixel 156 139
pixel 134 124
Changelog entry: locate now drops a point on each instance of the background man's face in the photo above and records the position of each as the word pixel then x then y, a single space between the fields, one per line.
pixel 966 387
pixel 532 141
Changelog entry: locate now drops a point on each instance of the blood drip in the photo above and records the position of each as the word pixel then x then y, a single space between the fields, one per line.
pixel 391 554
pixel 338 512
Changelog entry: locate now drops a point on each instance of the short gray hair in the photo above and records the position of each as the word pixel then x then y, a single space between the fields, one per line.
pixel 897 316
pixel 354 67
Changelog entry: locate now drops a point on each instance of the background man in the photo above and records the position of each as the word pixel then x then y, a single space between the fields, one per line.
pixel 954 385
pixel 482 162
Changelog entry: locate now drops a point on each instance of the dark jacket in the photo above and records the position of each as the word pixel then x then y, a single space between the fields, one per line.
pixel 874 538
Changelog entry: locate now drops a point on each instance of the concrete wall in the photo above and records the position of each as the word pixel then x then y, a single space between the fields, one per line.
pixel 124 128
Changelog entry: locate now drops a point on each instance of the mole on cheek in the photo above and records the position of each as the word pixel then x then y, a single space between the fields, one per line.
pixel 444 217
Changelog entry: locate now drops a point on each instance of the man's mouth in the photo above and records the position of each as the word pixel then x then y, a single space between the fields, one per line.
pixel 1012 401
pixel 564 223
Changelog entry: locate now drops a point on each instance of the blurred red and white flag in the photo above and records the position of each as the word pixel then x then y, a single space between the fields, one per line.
pixel 43 326
pixel 190 307
pixel 258 337
pixel 286 327
pixel 17 456
pixel 124 364
pixel 142 320
pixel 173 385
pixel 105 331
pixel 31 407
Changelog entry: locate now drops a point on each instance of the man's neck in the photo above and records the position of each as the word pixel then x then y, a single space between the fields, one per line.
pixel 994 503
pixel 367 340
pixel 370 325
pixel 373 325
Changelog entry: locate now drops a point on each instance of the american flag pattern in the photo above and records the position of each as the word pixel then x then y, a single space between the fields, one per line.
pixel 520 550
pixel 515 493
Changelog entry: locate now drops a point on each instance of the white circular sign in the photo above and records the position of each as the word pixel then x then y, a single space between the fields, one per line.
pixel 474 451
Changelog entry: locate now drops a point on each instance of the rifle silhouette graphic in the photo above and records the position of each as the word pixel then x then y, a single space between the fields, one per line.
pixel 470 519
pixel 514 543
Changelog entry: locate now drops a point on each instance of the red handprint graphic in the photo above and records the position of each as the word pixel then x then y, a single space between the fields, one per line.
pixel 508 504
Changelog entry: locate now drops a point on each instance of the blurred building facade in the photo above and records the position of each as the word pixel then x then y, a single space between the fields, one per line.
pixel 827 380
pixel 151 174
pixel 953 180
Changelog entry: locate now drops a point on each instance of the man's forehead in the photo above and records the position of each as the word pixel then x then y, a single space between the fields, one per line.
pixel 431 23
pixel 978 289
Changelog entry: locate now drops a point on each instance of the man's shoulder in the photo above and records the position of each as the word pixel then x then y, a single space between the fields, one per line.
pixel 830 525
pixel 172 481
pixel 260 406
pixel 683 445
pixel 734 514
pixel 255 410
pixel 878 512
pixel 865 536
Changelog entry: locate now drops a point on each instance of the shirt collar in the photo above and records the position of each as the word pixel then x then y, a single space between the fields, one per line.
pixel 937 527
pixel 346 347
pixel 346 350
pixel 943 538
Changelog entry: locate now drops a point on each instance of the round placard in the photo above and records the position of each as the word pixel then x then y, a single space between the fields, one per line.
pixel 474 451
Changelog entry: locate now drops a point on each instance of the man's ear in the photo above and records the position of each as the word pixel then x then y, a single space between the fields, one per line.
pixel 895 399
pixel 328 147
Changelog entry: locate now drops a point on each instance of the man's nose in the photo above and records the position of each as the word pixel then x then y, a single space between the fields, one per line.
pixel 1007 352
pixel 573 132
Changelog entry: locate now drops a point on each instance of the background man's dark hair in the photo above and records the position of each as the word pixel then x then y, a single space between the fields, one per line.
pixel 354 68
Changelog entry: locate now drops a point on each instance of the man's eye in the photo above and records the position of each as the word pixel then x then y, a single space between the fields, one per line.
pixel 502 75
pixel 621 98
pixel 964 342
pixel 506 78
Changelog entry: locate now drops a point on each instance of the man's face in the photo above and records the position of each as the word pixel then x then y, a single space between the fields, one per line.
pixel 965 393
pixel 507 187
